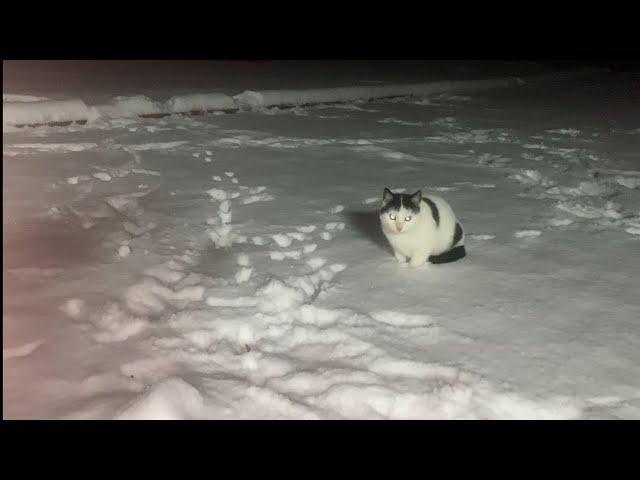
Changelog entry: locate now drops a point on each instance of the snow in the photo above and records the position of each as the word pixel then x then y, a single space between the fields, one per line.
pixel 243 275
pixel 527 233
pixel 171 399
pixel 200 102
pixel 310 248
pixel 123 107
pixel 573 132
pixel 105 177
pixel 25 148
pixel 21 109
pixel 74 308
pixel 47 111
pixel 334 226
pixel 269 98
pixel 628 182
pixel 156 145
pixel 21 98
pixel 316 263
pixel 21 351
pixel 243 260
pixel 282 240
pixel 299 236
pixel 258 285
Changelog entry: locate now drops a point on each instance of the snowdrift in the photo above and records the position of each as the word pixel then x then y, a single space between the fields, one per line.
pixel 138 105
pixel 201 102
pixel 252 100
pixel 143 106
pixel 256 100
pixel 31 111
pixel 22 98
pixel 41 112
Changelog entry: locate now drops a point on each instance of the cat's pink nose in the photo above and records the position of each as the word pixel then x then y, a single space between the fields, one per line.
pixel 399 227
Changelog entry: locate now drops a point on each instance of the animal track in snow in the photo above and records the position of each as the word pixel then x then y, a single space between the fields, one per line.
pixel 527 233
pixel 243 260
pixel 492 160
pixel 281 240
pixel 310 248
pixel 265 197
pixel 105 177
pixel 280 255
pixel 400 122
pixel 299 236
pixel 572 132
pixel 334 226
pixel 560 222
pixel 316 262
pixel 243 275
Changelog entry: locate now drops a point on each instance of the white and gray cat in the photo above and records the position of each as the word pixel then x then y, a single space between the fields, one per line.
pixel 421 229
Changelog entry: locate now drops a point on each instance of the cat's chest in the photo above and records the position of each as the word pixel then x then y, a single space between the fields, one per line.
pixel 407 242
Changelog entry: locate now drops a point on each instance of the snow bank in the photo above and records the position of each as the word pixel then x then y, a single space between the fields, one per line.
pixel 171 399
pixel 29 110
pixel 200 102
pixel 130 107
pixel 268 98
pixel 42 112
pixel 8 97
pixel 141 105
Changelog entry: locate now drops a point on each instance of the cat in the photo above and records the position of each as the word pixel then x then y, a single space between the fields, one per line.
pixel 421 229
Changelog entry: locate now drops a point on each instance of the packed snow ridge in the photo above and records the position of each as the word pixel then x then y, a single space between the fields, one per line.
pixel 20 110
pixel 272 98
pixel 48 111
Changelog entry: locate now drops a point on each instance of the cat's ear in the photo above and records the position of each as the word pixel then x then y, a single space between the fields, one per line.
pixel 416 198
pixel 387 196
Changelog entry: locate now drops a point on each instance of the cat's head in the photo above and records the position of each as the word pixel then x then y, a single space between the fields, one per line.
pixel 399 211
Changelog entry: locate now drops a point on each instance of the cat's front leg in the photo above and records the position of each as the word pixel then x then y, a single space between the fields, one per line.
pixel 418 259
pixel 401 258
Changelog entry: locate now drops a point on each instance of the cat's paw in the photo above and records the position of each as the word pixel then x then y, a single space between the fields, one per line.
pixel 401 258
pixel 416 262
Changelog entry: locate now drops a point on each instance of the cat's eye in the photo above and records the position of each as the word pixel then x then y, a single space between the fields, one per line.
pixel 407 219
pixel 392 216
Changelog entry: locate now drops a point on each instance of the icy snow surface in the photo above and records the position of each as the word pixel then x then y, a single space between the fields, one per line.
pixel 143 282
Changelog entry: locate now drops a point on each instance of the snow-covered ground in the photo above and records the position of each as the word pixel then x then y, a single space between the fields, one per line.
pixel 232 266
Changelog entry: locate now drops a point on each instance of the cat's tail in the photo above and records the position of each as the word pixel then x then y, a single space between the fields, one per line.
pixel 456 253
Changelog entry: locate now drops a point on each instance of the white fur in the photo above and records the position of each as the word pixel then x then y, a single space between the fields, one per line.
pixel 420 237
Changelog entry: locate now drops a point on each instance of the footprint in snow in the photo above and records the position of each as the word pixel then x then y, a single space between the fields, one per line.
pixel 527 233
